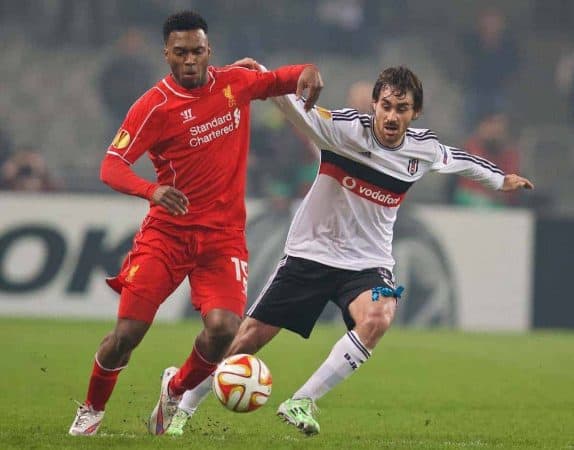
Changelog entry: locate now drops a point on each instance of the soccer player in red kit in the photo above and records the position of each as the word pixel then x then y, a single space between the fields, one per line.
pixel 194 124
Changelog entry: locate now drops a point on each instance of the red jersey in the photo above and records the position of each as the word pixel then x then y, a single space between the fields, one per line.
pixel 197 140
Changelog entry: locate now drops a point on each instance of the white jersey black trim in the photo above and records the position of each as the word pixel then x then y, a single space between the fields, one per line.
pixel 376 139
pixel 346 219
pixel 350 115
pixel 475 159
pixel 424 136
pixel 455 150
pixel 412 132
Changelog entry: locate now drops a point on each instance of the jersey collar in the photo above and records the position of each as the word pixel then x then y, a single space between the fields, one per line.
pixel 180 91
pixel 380 144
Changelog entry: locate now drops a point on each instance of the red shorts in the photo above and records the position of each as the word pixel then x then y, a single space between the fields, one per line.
pixel 163 254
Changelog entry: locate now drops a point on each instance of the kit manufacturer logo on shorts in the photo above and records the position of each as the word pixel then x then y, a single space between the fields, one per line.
pixel 386 276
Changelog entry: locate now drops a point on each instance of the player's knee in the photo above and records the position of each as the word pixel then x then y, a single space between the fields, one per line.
pixel 124 342
pixel 223 329
pixel 378 320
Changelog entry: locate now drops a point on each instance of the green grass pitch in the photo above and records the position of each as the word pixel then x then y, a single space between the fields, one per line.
pixel 421 390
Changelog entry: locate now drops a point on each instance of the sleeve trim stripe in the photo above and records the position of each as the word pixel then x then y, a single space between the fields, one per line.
pixel 146 119
pixel 110 152
pixel 478 158
pixel 420 133
pixel 345 111
pixel 471 159
pixel 365 122
pixel 421 136
pixel 422 139
pixel 351 113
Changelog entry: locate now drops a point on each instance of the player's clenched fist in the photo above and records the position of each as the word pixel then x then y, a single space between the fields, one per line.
pixel 171 199
pixel 310 80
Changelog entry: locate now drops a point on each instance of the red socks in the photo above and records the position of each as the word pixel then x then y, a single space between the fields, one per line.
pixel 102 382
pixel 193 371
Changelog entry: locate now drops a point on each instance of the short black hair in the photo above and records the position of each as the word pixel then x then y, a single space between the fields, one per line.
pixel 183 21
pixel 402 80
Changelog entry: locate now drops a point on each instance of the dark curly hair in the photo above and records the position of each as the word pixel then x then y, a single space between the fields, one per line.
pixel 401 80
pixel 183 21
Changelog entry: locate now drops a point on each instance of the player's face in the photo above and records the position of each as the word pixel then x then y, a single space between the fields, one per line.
pixel 393 115
pixel 187 53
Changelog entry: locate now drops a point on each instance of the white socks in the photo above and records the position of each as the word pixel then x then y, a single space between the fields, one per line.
pixel 191 399
pixel 347 355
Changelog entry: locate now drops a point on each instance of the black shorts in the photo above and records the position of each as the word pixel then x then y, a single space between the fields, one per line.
pixel 298 291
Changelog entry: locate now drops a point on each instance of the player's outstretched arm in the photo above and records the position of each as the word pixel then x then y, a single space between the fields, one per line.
pixel 514 182
pixel 309 81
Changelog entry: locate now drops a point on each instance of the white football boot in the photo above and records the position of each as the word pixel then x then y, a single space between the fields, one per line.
pixel 166 407
pixel 87 421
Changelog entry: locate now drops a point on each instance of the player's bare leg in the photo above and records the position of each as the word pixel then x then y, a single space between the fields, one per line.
pixel 220 327
pixel 112 356
pixel 372 319
pixel 251 337
pixel 116 348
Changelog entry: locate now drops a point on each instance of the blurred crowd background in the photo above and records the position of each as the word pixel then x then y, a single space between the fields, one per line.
pixel 498 80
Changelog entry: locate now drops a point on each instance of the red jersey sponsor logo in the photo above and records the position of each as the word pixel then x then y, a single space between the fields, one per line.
pixel 362 188
pixel 214 129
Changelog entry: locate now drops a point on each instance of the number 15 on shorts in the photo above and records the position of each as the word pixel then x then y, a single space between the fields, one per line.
pixel 240 271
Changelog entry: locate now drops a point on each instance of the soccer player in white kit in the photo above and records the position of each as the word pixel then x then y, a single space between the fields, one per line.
pixel 339 244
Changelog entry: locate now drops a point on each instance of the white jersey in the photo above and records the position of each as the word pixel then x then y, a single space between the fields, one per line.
pixel 346 219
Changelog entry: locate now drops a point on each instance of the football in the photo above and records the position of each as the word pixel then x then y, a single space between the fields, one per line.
pixel 242 383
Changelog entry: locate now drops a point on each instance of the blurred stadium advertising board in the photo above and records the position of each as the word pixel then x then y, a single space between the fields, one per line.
pixel 462 268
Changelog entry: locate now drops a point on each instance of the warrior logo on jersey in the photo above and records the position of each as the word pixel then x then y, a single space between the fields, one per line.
pixel 187 115
pixel 121 140
pixel 413 166
pixel 229 96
